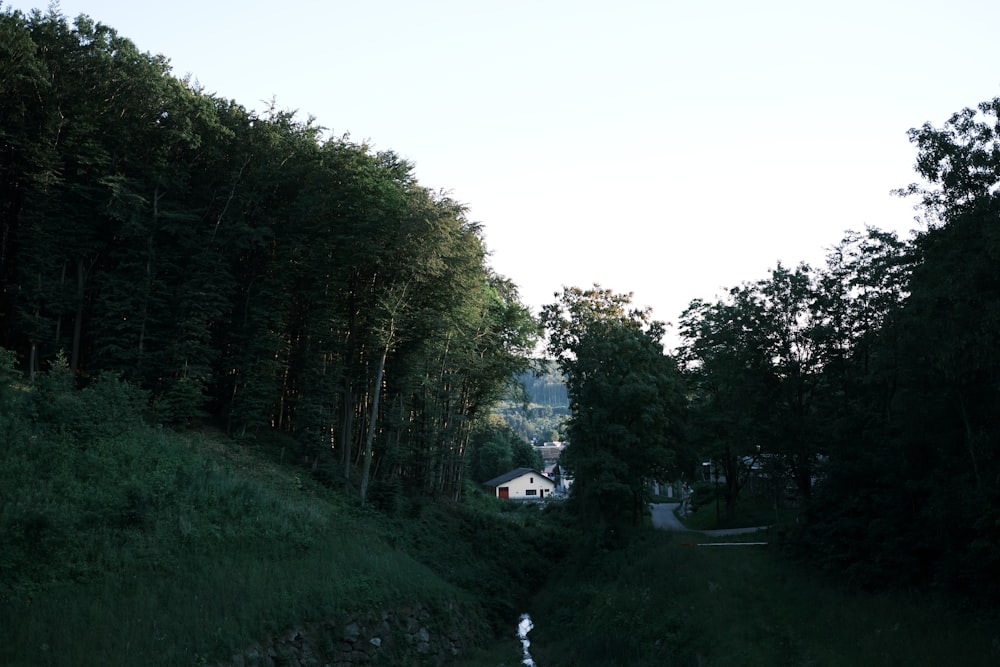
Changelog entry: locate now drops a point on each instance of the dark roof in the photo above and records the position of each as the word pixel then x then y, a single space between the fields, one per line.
pixel 513 474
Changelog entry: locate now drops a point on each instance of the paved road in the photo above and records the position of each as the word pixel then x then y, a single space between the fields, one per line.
pixel 664 519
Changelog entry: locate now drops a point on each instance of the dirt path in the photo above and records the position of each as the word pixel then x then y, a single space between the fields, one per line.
pixel 664 519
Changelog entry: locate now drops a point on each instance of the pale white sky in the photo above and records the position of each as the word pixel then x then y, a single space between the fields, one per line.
pixel 666 148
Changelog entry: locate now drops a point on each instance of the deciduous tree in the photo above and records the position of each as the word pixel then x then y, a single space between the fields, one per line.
pixel 625 396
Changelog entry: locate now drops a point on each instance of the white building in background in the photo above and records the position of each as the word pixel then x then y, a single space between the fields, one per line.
pixel 521 484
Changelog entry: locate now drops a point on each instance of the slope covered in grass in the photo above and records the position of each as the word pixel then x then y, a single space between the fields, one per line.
pixel 142 546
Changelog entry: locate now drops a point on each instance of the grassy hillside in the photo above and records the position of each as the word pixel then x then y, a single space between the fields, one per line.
pixel 153 548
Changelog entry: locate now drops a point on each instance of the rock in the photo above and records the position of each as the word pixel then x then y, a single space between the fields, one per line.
pixel 381 638
pixel 411 624
pixel 352 631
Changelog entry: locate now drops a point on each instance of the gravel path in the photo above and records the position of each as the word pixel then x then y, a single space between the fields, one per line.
pixel 664 519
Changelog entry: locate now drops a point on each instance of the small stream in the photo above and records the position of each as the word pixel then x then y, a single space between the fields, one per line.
pixel 524 626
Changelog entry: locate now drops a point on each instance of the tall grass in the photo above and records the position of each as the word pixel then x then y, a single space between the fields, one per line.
pixel 205 608
pixel 658 602
pixel 125 544
pixel 147 547
pixel 128 545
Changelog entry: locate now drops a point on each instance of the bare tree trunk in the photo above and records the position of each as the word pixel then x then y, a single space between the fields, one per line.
pixel 347 430
pixel 372 419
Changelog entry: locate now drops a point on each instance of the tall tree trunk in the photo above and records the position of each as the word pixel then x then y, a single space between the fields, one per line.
pixel 81 275
pixel 347 430
pixel 59 315
pixel 970 442
pixel 372 419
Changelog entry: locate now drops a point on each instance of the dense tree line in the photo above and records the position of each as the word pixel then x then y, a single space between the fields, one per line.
pixel 239 265
pixel 870 384
pixel 865 390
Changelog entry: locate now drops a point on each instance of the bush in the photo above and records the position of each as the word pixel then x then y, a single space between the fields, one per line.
pixel 14 424
pixel 703 493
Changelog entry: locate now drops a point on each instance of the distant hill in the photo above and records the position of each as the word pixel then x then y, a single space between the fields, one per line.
pixel 549 388
pixel 538 406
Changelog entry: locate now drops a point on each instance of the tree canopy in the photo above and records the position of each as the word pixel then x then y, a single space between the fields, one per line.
pixel 625 399
pixel 240 266
pixel 870 383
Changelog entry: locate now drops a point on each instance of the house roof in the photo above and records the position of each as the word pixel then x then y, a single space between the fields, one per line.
pixel 514 474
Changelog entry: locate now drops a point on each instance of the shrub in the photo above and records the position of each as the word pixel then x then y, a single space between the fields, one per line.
pixel 703 493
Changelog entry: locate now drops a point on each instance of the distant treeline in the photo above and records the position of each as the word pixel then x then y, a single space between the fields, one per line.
pixel 238 265
pixel 546 386
pixel 537 406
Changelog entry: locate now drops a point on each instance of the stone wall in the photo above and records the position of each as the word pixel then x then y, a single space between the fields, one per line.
pixel 421 636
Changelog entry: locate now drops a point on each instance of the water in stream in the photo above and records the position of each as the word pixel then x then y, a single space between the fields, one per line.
pixel 524 626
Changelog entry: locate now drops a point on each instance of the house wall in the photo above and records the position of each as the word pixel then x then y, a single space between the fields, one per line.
pixel 519 487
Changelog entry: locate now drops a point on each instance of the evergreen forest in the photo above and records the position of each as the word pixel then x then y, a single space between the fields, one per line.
pixel 252 374
pixel 537 407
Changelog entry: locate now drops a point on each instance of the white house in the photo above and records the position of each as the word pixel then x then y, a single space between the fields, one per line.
pixel 521 484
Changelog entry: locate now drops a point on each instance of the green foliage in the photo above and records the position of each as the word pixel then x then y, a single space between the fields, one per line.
pixel 538 423
pixel 703 494
pixel 524 455
pixel 195 547
pixel 658 601
pixel 504 552
pixel 239 266
pixel 537 405
pixel 754 510
pixel 13 426
pixel 907 494
pixel 108 406
pixel 180 404
pixel 545 385
pixel 754 361
pixel 497 449
pixel 147 546
pixel 871 383
pixel 626 400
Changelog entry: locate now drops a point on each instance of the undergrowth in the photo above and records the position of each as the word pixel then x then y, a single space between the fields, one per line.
pixel 126 544
pixel 156 548
pixel 661 601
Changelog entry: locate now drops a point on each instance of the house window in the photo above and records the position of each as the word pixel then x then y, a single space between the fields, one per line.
pixel 531 480
pixel 530 492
